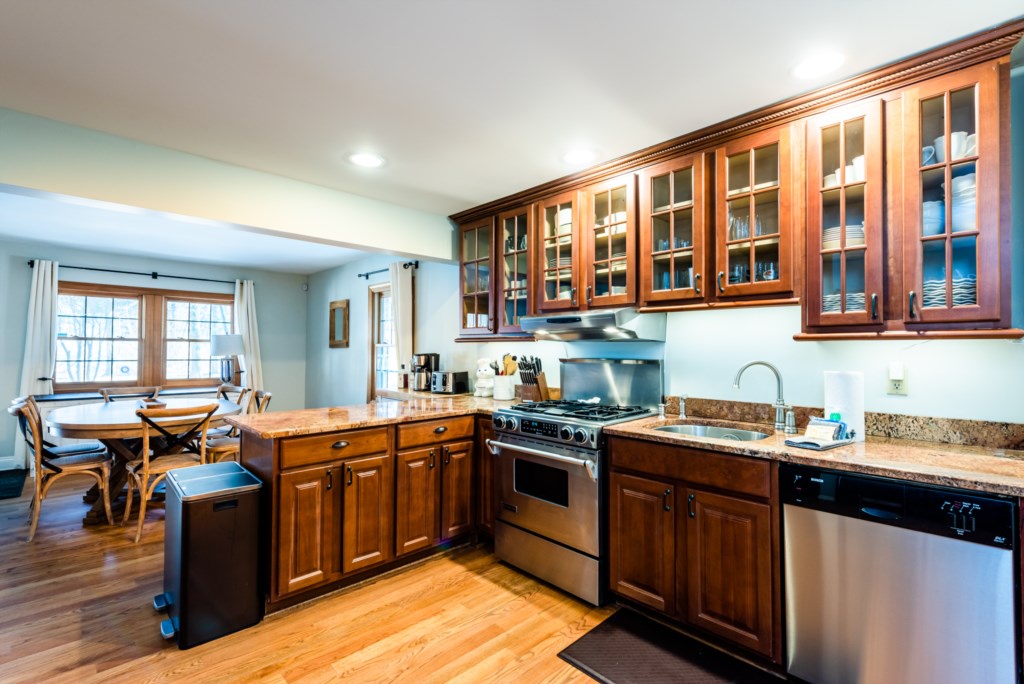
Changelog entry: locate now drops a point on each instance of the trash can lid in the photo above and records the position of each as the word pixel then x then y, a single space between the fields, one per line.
pixel 212 480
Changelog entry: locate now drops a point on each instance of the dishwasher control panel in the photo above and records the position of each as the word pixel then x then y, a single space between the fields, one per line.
pixel 955 513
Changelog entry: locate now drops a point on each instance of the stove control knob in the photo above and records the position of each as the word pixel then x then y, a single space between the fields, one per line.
pixel 512 423
pixel 565 433
pixel 499 422
pixel 581 436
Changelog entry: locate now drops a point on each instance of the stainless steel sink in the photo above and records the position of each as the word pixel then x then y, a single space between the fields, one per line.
pixel 737 434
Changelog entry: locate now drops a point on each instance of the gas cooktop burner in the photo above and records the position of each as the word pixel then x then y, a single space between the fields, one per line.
pixel 581 410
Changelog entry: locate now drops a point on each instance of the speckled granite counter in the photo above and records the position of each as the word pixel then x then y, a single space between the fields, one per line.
pixel 314 421
pixel 998 471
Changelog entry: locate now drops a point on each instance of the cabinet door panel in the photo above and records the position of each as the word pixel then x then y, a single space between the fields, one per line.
pixel 485 478
pixel 367 521
pixel 512 288
pixel 729 575
pixel 457 490
pixel 417 483
pixel 306 529
pixel 556 258
pixel 642 540
pixel 476 258
pixel 608 263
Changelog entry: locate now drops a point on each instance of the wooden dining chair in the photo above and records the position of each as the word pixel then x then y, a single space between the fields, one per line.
pixel 224 448
pixel 236 394
pixel 55 450
pixel 163 450
pixel 51 464
pixel 118 393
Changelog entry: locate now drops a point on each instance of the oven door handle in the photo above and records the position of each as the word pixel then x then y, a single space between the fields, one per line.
pixel 591 467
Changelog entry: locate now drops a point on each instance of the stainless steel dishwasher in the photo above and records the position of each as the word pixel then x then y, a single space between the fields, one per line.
pixel 890 581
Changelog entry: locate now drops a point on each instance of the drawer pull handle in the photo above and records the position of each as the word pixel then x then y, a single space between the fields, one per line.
pixel 340 444
pixel 696 283
pixel 330 479
pixel 447 456
pixel 721 275
pixel 874 306
pixel 910 302
pixel 689 505
pixel 349 483
pixel 431 458
pixel 440 429
pixel 664 499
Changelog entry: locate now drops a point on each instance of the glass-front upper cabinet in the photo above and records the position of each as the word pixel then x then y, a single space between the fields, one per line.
pixel 753 215
pixel 515 234
pixel 951 220
pixel 609 244
pixel 476 258
pixel 672 243
pixel 555 257
pixel 845 268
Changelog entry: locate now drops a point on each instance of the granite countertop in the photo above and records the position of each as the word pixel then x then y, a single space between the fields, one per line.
pixel 332 419
pixel 997 471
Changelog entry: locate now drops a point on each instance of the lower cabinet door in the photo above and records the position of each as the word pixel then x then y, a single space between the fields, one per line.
pixel 643 541
pixel 485 479
pixel 307 528
pixel 457 490
pixel 367 522
pixel 417 522
pixel 729 575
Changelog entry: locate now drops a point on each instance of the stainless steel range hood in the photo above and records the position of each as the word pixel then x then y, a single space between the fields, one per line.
pixel 602 324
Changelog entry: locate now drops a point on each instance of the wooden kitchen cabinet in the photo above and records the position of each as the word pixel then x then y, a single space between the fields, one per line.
pixel 608 255
pixel 308 528
pixel 512 287
pixel 954 154
pixel 367 522
pixel 485 493
pixel 416 492
pixel 476 258
pixel 728 574
pixel 754 227
pixel 845 192
pixel 643 541
pixel 556 259
pixel 673 239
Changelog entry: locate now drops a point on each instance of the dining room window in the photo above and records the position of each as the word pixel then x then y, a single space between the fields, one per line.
pixel 383 352
pixel 109 335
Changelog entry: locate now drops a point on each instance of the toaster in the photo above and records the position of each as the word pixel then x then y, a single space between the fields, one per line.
pixel 449 382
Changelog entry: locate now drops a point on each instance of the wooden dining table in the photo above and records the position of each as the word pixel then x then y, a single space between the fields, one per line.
pixel 116 425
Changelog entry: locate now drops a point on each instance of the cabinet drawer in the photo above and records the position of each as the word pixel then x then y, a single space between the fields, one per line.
pixel 740 474
pixel 434 432
pixel 334 446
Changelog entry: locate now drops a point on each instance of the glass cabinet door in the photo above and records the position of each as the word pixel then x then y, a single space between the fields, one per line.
pixel 672 230
pixel 609 243
pixel 844 216
pixel 515 233
pixel 951 213
pixel 754 254
pixel 475 257
pixel 557 270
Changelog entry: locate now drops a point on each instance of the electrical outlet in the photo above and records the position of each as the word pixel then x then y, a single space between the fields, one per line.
pixel 898 387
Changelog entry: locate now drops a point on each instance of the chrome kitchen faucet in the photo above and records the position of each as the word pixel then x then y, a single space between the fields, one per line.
pixel 780 403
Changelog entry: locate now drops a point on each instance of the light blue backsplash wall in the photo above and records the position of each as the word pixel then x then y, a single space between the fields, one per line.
pixel 280 310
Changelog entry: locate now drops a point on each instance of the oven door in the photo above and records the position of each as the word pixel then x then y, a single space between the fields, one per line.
pixel 549 490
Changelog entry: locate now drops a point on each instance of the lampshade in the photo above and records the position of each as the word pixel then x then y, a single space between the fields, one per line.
pixel 226 345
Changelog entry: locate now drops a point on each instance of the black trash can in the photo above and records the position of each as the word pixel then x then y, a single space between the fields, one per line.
pixel 210 553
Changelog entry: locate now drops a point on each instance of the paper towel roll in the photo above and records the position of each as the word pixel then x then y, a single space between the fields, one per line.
pixel 844 394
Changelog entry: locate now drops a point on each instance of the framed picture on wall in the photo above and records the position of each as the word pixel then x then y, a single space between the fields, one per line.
pixel 339 323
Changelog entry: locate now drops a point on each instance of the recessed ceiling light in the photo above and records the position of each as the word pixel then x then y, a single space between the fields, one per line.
pixel 818 65
pixel 579 156
pixel 370 161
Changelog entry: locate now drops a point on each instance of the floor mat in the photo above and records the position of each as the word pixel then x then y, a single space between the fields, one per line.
pixel 629 648
pixel 11 483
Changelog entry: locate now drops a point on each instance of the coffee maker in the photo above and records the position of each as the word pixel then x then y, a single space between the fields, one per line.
pixel 423 366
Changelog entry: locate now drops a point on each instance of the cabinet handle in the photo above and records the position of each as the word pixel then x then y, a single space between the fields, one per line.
pixel 910 300
pixel 874 306
pixel 696 283
pixel 349 483
pixel 440 429
pixel 330 478
pixel 340 444
pixel 572 295
pixel 431 458
pixel 590 297
pixel 664 499
pixel 721 274
pixel 447 456
pixel 689 505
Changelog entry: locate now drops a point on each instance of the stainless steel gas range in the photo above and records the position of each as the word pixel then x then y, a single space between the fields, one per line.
pixel 551 466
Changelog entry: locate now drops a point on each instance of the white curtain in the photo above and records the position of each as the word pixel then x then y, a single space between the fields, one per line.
pixel 245 325
pixel 401 309
pixel 40 341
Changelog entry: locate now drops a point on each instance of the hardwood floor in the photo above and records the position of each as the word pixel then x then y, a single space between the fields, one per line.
pixel 75 607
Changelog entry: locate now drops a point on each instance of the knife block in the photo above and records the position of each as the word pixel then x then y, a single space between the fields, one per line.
pixel 529 393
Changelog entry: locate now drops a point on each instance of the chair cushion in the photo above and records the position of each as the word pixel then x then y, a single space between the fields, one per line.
pixel 223 444
pixel 72 449
pixel 218 432
pixel 165 463
pixel 80 461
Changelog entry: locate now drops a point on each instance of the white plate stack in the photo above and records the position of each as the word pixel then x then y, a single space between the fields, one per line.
pixel 933 218
pixel 965 202
pixel 560 263
pixel 855 235
pixel 830 237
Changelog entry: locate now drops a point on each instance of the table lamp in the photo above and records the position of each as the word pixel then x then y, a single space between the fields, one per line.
pixel 227 347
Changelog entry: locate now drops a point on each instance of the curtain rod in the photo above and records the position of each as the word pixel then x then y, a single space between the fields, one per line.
pixel 408 264
pixel 153 274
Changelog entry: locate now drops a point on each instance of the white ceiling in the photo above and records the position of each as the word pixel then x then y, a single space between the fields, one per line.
pixel 469 100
